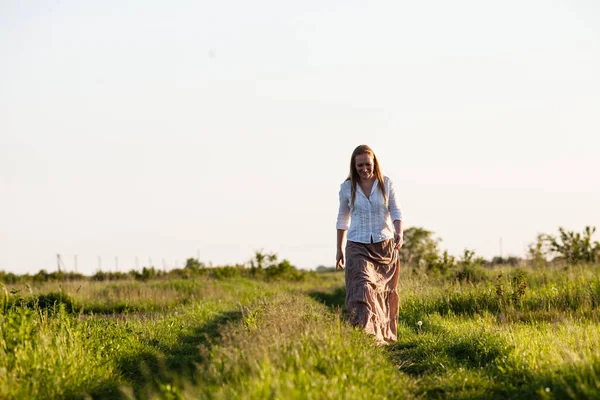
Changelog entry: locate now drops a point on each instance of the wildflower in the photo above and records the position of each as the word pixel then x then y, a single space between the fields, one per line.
pixel 547 390
pixel 420 323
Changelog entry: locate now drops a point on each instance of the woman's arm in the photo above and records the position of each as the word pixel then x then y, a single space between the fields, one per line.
pixel 395 213
pixel 342 225
pixel 339 258
pixel 399 235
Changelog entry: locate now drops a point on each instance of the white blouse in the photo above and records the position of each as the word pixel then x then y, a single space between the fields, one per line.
pixel 370 221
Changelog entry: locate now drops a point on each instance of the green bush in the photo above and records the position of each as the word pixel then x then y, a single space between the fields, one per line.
pixel 224 272
pixel 52 302
pixel 283 270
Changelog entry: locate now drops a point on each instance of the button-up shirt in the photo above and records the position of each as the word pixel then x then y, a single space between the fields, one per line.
pixel 370 221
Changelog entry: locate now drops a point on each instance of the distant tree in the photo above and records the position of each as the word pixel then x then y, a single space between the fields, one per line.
pixel 514 261
pixel 194 264
pixel 259 258
pixel 442 264
pixel 41 276
pixel 510 260
pixel 283 270
pixel 261 261
pixel 8 277
pixel 468 267
pixel 419 247
pixel 575 248
pixel 322 268
pixel 539 252
pixel 469 259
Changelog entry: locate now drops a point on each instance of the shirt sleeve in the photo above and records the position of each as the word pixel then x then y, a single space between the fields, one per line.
pixel 343 219
pixel 393 203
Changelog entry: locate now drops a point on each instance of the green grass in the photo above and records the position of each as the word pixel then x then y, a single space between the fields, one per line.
pixel 502 333
pixel 290 347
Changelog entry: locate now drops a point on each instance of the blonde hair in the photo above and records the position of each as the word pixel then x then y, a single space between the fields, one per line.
pixel 353 175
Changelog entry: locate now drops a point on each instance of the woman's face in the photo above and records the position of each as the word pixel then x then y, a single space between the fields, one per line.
pixel 364 165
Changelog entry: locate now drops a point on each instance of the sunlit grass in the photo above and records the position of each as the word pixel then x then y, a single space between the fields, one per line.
pixel 505 333
pixel 293 347
pixel 134 296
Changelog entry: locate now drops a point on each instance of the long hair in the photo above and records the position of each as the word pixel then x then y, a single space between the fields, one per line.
pixel 353 175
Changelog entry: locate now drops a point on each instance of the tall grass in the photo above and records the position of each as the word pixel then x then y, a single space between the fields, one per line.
pixel 92 297
pixel 489 333
pixel 293 347
pixel 57 352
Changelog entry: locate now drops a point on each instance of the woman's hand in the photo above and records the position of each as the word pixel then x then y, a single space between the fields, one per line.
pixel 398 239
pixel 339 262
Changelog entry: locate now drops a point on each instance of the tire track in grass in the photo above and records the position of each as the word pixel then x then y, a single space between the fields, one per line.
pixel 144 356
pixel 167 350
pixel 162 363
pixel 55 354
pixel 291 346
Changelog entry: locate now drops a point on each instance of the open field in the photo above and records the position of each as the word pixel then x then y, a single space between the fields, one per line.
pixel 494 333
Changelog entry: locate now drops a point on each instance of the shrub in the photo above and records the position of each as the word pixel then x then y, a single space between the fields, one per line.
pixel 224 272
pixel 576 248
pixel 513 293
pixel 470 268
pixel 283 270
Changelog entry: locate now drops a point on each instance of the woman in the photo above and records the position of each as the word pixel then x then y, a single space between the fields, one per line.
pixel 370 216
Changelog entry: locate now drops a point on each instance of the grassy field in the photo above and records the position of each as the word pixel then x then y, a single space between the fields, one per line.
pixel 492 333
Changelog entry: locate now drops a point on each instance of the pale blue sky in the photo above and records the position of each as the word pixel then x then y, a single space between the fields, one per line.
pixel 164 130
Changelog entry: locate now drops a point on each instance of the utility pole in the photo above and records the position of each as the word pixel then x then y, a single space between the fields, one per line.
pixel 58 261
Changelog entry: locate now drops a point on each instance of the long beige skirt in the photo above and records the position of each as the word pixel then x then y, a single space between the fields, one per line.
pixel 372 288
